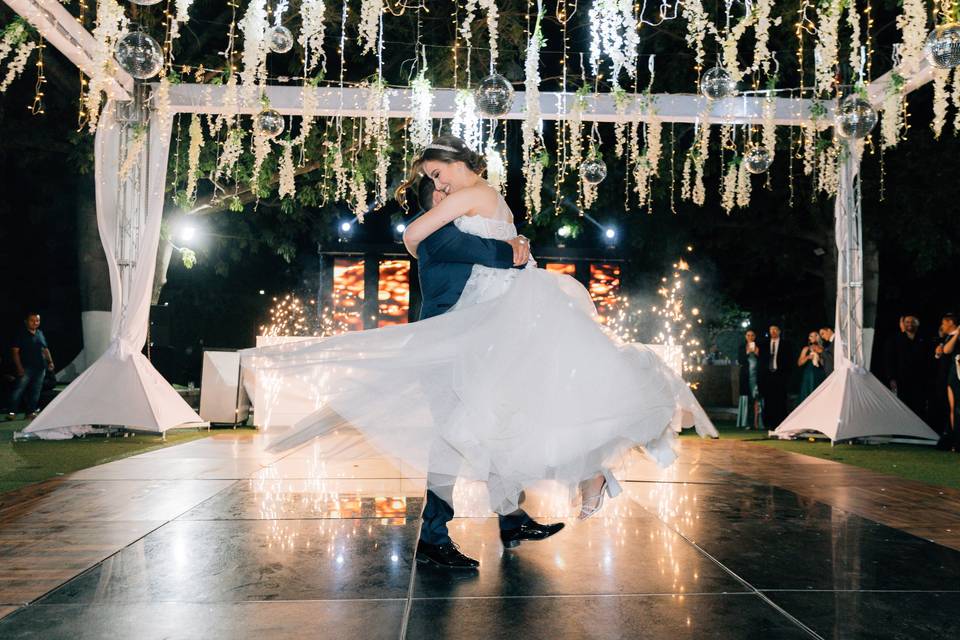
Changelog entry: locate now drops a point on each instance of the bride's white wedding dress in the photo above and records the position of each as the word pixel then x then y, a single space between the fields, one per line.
pixel 517 383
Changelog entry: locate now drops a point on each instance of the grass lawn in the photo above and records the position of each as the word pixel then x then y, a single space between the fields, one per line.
pixel 23 463
pixel 916 462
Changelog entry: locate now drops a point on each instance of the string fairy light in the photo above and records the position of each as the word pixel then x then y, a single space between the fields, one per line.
pixel 37 108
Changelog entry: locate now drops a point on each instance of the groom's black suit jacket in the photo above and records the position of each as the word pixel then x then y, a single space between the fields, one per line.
pixel 446 258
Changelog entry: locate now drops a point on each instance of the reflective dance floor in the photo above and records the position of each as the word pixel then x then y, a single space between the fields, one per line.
pixel 218 539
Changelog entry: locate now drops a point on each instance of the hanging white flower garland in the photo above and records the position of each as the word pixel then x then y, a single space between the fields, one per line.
pixel 466 124
pixel 370 12
pixel 312 31
pixel 940 101
pixel 532 144
pixel 193 157
pixel 18 63
pixel 287 187
pixel 827 51
pixel 111 25
pixel 421 102
pixel 613 33
pixel 913 27
pixel 255 48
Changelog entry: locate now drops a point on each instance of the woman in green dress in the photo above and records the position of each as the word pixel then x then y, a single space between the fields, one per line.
pixel 811 365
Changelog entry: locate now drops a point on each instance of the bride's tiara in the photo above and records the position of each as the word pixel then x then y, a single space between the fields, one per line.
pixel 441 147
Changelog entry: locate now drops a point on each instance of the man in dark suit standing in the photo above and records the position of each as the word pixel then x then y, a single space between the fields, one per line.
pixel 775 359
pixel 445 260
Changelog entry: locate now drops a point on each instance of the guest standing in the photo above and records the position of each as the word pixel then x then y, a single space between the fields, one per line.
pixel 811 365
pixel 951 356
pixel 31 360
pixel 908 366
pixel 773 378
pixel 940 409
pixel 748 358
pixel 826 350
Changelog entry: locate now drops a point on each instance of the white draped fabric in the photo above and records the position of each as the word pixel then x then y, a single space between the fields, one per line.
pixel 122 387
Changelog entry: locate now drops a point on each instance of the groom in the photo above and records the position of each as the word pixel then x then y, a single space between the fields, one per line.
pixel 445 260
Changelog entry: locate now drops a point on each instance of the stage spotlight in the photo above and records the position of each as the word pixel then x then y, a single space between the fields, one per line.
pixel 610 237
pixel 187 233
pixel 745 324
pixel 563 234
pixel 345 230
pixel 401 228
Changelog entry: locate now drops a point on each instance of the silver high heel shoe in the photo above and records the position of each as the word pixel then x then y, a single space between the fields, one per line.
pixel 589 506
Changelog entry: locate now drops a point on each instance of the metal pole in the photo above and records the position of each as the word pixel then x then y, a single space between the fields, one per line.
pixel 849 231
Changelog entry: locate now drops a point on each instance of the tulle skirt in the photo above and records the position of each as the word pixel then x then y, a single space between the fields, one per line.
pixel 522 388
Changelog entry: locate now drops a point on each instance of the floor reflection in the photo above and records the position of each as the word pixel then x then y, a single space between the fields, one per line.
pixel 323 537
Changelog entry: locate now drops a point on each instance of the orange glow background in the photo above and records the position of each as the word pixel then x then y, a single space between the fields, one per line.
pixel 393 296
pixel 348 293
pixel 605 289
pixel 562 267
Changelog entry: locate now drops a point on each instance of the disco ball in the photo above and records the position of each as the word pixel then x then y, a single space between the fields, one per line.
pixel 139 55
pixel 757 159
pixel 943 46
pixel 144 3
pixel 279 39
pixel 593 171
pixel 269 122
pixel 855 118
pixel 717 83
pixel 493 96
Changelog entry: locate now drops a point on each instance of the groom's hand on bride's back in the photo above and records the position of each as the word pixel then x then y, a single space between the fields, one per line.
pixel 521 250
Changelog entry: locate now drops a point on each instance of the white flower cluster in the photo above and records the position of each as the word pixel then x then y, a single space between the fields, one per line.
pixel 810 138
pixel 613 33
pixel 111 25
pixel 493 18
pixel 955 98
pixel 913 27
pixel 312 31
pixel 261 149
pixel 18 63
pixel 161 102
pixel 853 19
pixel 728 188
pixel 496 169
pixel 828 179
pixel 230 154
pixel 891 124
pixel 14 36
pixel 255 47
pixel 699 191
pixel 378 137
pixel 466 124
pixel 941 95
pixel 730 44
pixel 341 178
pixel 768 128
pixel 287 187
pixel 182 15
pixel 762 56
pixel 698 23
pixel 193 157
pixel 532 144
pixel 370 11
pixel 621 101
pixel 743 185
pixel 135 146
pixel 421 101
pixel 466 31
pixel 827 51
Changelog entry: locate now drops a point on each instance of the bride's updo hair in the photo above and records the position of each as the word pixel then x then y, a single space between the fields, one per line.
pixel 443 149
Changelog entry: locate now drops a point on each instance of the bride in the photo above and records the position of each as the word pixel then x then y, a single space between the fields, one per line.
pixel 517 383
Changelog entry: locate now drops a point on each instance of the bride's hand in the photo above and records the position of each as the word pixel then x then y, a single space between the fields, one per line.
pixel 521 250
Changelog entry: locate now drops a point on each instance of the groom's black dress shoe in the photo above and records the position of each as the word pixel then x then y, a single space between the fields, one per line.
pixel 530 530
pixel 447 556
